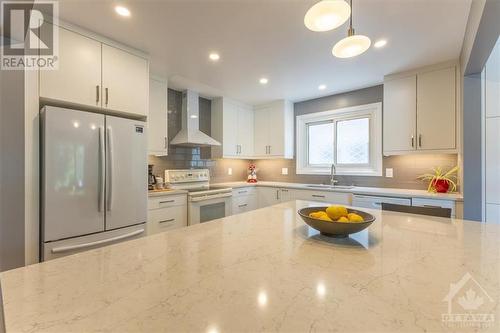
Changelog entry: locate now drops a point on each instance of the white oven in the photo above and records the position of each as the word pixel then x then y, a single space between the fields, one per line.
pixel 204 204
pixel 208 205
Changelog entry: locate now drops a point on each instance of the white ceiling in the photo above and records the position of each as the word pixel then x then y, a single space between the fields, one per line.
pixel 258 38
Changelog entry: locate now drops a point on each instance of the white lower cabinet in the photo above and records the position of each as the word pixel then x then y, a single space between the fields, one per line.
pixel 244 200
pixel 166 213
pixel 337 198
pixel 268 196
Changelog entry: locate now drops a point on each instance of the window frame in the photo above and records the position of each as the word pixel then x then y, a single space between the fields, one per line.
pixel 371 111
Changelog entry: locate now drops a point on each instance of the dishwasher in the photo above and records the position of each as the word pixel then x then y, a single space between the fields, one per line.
pixel 375 202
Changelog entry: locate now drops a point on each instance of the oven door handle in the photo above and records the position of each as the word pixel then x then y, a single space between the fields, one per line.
pixel 209 197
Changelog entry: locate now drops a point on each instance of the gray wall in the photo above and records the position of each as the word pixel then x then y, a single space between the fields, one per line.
pixel 472 134
pixel 481 35
pixel 406 168
pixel 11 169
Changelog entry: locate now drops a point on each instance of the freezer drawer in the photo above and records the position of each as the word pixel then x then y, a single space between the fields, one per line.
pixel 52 250
pixel 373 202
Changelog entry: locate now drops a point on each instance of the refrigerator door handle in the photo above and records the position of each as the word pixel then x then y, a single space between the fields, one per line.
pixel 110 168
pixel 99 242
pixel 102 169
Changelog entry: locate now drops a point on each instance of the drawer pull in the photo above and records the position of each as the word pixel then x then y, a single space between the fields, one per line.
pixel 166 221
pixel 317 196
pixel 167 201
pixel 244 205
pixel 240 192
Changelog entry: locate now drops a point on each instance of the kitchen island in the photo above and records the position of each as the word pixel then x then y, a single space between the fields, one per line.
pixel 266 270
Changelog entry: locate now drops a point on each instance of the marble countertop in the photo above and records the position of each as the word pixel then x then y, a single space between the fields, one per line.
pixel 265 270
pixel 406 193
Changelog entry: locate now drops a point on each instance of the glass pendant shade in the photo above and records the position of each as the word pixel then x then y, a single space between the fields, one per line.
pixel 351 46
pixel 327 15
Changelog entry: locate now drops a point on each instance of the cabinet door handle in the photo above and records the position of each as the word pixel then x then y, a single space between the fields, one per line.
pixel 166 142
pixel 412 141
pixel 107 95
pixel 97 94
pixel 244 205
pixel 277 194
pixel 317 196
pixel 167 201
pixel 420 140
pixel 166 221
pixel 240 192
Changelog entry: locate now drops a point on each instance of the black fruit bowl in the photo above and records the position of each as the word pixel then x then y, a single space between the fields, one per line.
pixel 336 229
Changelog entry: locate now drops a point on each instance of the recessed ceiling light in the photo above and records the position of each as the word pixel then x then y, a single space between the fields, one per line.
pixel 193 116
pixel 321 87
pixel 380 43
pixel 214 56
pixel 263 80
pixel 123 11
pixel 327 15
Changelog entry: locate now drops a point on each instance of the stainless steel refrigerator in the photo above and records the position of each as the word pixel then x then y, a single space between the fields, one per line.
pixel 94 180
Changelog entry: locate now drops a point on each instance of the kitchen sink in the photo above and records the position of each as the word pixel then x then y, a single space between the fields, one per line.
pixel 324 186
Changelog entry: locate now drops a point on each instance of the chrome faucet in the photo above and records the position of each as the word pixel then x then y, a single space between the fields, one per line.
pixel 333 173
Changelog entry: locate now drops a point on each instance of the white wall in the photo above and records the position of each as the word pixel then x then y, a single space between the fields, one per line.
pixel 492 135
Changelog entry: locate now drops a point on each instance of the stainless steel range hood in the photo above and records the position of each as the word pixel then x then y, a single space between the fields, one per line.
pixel 190 134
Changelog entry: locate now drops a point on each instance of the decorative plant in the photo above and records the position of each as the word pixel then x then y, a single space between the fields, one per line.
pixel 440 181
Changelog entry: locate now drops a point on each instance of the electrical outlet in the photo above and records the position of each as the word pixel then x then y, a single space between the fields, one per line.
pixel 284 171
pixel 388 172
pixel 230 171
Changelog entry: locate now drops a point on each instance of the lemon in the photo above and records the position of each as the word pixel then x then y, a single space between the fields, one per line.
pixel 336 212
pixel 353 217
pixel 343 219
pixel 325 218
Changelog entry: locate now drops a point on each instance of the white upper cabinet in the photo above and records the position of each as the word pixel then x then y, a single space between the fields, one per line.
pixel 125 81
pixel 233 127
pixel 157 118
pixel 274 130
pixel 420 111
pixel 93 74
pixel 78 78
pixel 436 110
pixel 400 114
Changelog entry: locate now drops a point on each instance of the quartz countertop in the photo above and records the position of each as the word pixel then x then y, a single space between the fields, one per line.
pixel 264 270
pixel 398 192
pixel 165 192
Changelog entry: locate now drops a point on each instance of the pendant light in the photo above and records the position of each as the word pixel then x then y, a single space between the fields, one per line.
pixel 352 45
pixel 327 15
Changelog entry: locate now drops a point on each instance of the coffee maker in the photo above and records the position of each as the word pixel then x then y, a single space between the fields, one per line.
pixel 151 178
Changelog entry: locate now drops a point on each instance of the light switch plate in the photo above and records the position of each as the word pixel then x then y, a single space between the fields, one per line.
pixel 284 171
pixel 388 172
pixel 230 171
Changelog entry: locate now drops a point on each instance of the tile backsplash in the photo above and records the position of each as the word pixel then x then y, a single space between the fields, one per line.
pixel 406 169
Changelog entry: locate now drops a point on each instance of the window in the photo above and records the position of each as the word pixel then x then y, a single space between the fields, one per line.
pixel 350 138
